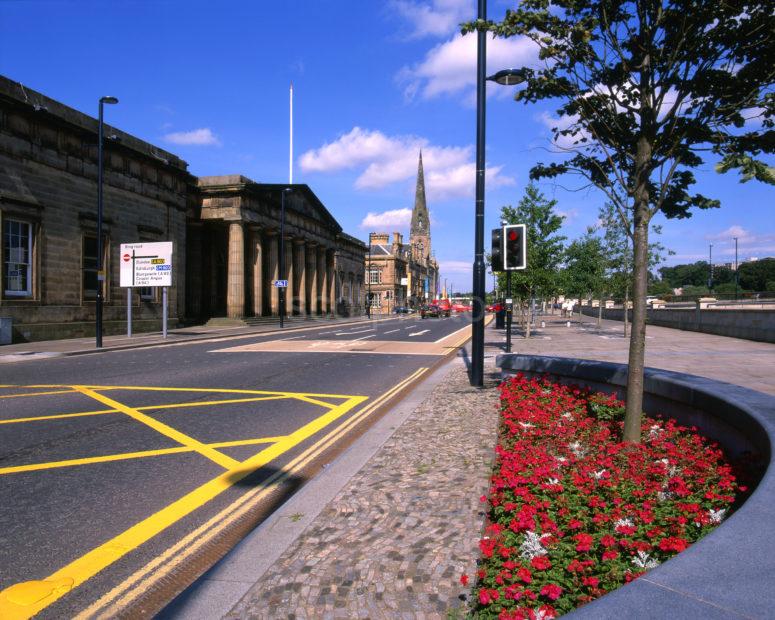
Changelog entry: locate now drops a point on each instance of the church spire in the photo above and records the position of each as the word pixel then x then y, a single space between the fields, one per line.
pixel 420 219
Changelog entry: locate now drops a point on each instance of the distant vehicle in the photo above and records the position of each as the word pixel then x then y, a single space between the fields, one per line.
pixel 444 306
pixel 496 307
pixel 402 310
pixel 460 308
pixel 430 310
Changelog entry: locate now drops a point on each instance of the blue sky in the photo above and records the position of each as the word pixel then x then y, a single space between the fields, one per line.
pixel 374 81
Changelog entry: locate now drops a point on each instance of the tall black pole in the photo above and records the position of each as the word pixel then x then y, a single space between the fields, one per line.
pixel 509 312
pixel 368 283
pixel 98 305
pixel 477 326
pixel 282 257
pixel 737 275
pixel 710 268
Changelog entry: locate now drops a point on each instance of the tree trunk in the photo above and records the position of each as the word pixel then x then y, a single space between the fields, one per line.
pixel 527 321
pixel 626 309
pixel 634 406
pixel 600 314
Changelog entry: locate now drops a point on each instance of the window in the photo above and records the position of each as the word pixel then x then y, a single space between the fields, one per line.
pixel 376 300
pixel 89 262
pixel 147 293
pixel 375 276
pixel 17 258
pixel 388 295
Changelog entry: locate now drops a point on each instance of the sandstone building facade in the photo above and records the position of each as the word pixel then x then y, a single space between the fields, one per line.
pixel 403 274
pixel 224 229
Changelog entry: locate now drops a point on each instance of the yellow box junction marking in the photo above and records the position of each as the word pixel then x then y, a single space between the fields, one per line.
pixel 112 603
pixel 23 600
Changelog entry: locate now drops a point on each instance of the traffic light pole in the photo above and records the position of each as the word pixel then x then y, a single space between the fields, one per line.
pixel 509 312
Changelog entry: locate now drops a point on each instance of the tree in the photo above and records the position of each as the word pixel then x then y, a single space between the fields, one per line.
pixel 544 246
pixel 647 88
pixel 755 275
pixel 586 267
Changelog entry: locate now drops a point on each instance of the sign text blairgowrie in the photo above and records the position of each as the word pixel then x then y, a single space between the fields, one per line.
pixel 146 264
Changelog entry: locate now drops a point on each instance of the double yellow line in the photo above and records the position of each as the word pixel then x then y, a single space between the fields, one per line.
pixel 119 598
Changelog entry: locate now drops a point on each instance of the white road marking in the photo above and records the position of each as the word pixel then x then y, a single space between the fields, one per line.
pixel 419 333
pixel 391 331
pixel 360 331
pixel 291 338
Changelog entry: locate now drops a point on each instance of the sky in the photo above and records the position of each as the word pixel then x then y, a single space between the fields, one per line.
pixel 374 82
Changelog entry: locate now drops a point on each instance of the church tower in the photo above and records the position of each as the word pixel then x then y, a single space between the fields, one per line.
pixel 420 231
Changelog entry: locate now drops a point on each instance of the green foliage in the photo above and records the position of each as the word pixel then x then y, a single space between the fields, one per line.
pixel 585 270
pixel 660 288
pixel 694 274
pixel 544 245
pixel 756 275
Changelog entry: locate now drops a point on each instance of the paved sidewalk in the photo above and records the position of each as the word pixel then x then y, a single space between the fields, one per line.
pixel 402 523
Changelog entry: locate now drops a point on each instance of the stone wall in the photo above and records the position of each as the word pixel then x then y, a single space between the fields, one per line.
pixel 748 324
pixel 48 178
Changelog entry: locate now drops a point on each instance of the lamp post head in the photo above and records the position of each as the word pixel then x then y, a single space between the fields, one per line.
pixel 508 77
pixel 108 100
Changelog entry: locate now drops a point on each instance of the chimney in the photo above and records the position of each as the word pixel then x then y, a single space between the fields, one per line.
pixel 379 238
pixel 398 240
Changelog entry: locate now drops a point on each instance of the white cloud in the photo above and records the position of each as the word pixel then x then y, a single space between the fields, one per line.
pixel 396 218
pixel 572 214
pixel 450 67
pixel 435 18
pixel 730 233
pixel 449 170
pixel 748 243
pixel 447 267
pixel 197 137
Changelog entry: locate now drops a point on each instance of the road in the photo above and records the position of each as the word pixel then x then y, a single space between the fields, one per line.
pixel 124 473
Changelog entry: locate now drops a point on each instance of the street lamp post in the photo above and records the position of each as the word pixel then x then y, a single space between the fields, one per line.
pixel 506 77
pixel 737 276
pixel 368 283
pixel 283 289
pixel 100 265
pixel 710 268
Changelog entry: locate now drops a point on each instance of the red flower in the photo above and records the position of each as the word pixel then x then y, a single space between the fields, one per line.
pixel 551 591
pixel 610 554
pixel 584 542
pixel 541 562
pixel 464 579
pixel 525 575
pixel 487 596
pixel 673 543
pixel 590 581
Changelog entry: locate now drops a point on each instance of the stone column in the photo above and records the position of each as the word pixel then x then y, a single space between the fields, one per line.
pixel 194 269
pixel 258 271
pixel 290 275
pixel 235 295
pixel 312 277
pixel 320 294
pixel 273 256
pixel 300 272
pixel 330 283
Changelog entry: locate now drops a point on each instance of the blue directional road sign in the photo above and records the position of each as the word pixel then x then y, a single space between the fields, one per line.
pixel 280 283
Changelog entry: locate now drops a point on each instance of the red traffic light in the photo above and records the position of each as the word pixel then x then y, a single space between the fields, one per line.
pixel 512 235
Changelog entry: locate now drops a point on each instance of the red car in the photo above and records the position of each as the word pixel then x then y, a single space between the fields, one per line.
pixel 496 307
pixel 444 306
pixel 460 308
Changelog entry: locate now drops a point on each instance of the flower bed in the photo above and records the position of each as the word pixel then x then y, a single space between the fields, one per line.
pixel 575 512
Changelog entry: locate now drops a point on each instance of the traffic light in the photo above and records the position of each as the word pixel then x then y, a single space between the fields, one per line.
pixel 497 249
pixel 514 247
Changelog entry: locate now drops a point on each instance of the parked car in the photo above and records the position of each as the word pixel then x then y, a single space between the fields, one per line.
pixel 402 310
pixel 496 307
pixel 444 306
pixel 430 310
pixel 460 308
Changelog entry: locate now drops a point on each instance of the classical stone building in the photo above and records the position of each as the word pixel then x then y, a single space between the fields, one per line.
pixel 225 231
pixel 402 274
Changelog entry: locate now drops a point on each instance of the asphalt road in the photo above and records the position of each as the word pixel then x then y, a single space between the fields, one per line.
pixel 108 460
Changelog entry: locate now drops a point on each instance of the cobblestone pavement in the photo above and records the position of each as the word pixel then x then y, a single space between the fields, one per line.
pixel 395 540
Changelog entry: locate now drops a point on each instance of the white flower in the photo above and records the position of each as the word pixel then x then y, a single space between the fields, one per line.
pixel 577 449
pixel 655 431
pixel 716 516
pixel 664 496
pixel 599 474
pixel 674 470
pixel 531 547
pixel 561 460
pixel 526 425
pixel 665 462
pixel 552 481
pixel 543 614
pixel 624 522
pixel 644 560
pixel 567 415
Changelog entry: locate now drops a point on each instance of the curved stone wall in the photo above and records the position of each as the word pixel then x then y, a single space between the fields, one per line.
pixel 729 573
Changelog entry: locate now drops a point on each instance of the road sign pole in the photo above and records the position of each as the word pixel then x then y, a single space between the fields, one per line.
pixel 129 312
pixel 164 311
pixel 509 313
